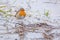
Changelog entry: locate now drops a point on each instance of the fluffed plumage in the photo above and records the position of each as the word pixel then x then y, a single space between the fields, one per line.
pixel 20 14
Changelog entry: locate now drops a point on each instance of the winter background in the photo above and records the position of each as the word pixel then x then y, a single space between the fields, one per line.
pixel 38 11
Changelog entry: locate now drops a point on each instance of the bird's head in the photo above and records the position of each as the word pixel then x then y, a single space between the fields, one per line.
pixel 22 9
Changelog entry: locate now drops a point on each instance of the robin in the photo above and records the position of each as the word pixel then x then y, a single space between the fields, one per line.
pixel 20 14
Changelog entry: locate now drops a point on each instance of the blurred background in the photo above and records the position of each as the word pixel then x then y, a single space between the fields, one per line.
pixel 37 11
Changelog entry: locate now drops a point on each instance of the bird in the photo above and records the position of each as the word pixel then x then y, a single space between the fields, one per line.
pixel 21 14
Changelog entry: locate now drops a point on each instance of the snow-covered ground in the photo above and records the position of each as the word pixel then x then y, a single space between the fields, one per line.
pixel 36 13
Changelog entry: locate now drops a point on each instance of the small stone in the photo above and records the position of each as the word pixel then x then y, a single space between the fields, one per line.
pixel 15 39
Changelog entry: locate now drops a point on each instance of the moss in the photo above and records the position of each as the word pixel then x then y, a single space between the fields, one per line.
pixel 47 13
pixel 2 6
pixel 2 11
pixel 9 10
pixel 8 15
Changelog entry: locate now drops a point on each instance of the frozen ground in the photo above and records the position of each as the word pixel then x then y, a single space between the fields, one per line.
pixel 36 13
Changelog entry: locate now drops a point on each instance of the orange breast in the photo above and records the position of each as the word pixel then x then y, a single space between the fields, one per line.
pixel 22 13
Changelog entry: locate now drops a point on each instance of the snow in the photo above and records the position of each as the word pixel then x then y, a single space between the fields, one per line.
pixel 35 35
pixel 35 9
